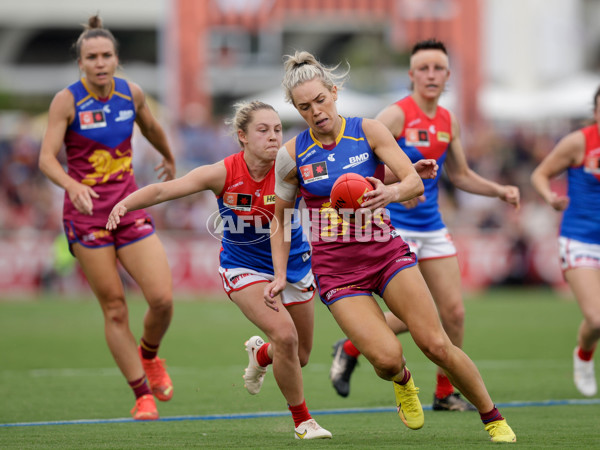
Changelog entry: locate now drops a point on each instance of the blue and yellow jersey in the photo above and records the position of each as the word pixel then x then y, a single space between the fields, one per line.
pixel 98 147
pixel 318 167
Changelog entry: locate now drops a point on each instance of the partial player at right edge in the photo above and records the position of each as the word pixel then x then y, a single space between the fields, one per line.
pixel 579 241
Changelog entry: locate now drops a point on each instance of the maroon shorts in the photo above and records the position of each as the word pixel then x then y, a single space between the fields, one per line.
pixel 363 280
pixel 94 236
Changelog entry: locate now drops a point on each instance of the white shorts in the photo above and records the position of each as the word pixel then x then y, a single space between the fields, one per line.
pixel 429 244
pixel 294 293
pixel 574 254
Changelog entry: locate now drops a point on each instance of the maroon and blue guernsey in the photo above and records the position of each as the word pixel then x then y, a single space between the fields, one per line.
pixel 341 243
pixel 98 147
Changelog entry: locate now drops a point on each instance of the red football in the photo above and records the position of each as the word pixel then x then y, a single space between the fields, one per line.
pixel 348 190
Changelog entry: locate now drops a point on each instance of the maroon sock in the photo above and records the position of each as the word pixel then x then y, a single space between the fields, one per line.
pixel 585 355
pixel 140 387
pixel 262 355
pixel 491 416
pixel 405 377
pixel 149 351
pixel 443 388
pixel 299 413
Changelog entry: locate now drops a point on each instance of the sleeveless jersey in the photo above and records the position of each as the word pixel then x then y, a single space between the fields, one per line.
pixel 336 242
pixel 423 138
pixel 98 147
pixel 581 219
pixel 246 207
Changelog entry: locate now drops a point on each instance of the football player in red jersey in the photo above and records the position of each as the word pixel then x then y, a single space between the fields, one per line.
pixel 244 186
pixel 578 154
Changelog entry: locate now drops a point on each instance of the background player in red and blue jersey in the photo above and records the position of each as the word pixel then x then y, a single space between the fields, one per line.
pixel 244 184
pixel 349 263
pixel 578 154
pixel 423 129
pixel 94 118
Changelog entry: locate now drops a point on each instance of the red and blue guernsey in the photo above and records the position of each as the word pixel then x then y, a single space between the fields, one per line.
pixel 98 147
pixel 423 138
pixel 581 220
pixel 246 207
pixel 338 243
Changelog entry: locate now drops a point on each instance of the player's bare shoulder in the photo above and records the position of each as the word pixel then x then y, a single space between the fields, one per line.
pixel 572 146
pixel 290 146
pixel 139 97
pixel 392 117
pixel 63 105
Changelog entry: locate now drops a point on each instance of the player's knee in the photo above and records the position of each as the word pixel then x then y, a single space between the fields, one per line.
pixel 285 340
pixel 387 365
pixel 594 323
pixel 115 309
pixel 161 304
pixel 453 315
pixel 303 356
pixel 436 349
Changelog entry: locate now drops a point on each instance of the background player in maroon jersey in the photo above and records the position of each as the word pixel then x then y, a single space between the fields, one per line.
pixel 94 117
pixel 423 129
pixel 385 266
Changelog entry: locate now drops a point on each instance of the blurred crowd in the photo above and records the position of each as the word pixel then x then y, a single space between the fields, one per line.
pixel 507 154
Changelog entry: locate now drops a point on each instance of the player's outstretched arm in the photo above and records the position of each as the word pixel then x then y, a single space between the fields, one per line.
pixel 200 179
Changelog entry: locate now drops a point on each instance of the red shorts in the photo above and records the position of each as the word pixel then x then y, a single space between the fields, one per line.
pixel 94 236
pixel 363 280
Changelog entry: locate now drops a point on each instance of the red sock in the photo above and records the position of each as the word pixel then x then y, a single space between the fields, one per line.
pixel 262 356
pixel 491 416
pixel 443 388
pixel 149 351
pixel 300 413
pixel 585 355
pixel 140 387
pixel 350 349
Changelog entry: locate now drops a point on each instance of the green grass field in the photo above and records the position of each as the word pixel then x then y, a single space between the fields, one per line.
pixel 55 366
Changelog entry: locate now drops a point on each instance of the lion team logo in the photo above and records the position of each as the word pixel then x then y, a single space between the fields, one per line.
pixel 89 120
pixel 105 166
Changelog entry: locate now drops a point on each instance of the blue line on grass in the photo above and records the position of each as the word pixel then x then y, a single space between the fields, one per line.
pixel 257 415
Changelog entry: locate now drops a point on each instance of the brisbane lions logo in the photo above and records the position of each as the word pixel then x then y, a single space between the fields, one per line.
pixel 105 166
